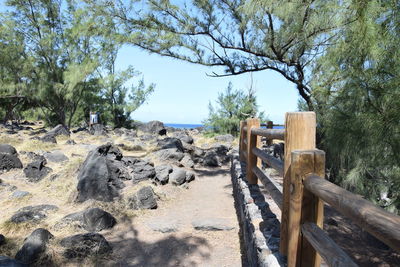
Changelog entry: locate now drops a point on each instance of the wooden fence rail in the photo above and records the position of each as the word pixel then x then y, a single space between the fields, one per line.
pixel 304 191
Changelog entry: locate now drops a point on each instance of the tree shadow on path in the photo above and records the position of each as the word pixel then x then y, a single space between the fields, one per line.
pixel 169 251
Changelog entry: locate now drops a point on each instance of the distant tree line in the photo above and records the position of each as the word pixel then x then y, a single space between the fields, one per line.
pixel 57 62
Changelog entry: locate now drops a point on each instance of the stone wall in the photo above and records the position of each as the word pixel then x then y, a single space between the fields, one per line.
pixel 259 227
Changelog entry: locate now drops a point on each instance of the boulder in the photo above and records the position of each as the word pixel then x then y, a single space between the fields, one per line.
pixel 178 176
pixel 8 262
pixel 98 176
pixel 36 171
pixel 143 199
pixel 170 142
pixel 142 172
pixel 97 130
pixel 76 219
pixel 185 138
pixel 48 139
pixel 7 149
pixel 216 156
pixel 34 246
pixel 171 154
pixel 33 156
pixel 187 161
pixel 59 130
pixel 2 240
pixel 162 173
pixel 211 159
pixel 55 156
pixel 190 176
pixel 85 245
pixel 9 161
pixel 154 127
pixel 32 213
pixel 95 220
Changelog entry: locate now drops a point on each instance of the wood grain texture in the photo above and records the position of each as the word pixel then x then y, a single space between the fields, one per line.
pixel 312 210
pixel 300 133
pixel 270 160
pixel 269 133
pixel 253 141
pixel 272 188
pixel 302 162
pixel 333 255
pixel 382 224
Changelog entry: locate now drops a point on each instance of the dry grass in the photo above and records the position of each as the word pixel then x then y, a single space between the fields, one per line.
pixel 60 191
pixel 11 140
pixel 35 145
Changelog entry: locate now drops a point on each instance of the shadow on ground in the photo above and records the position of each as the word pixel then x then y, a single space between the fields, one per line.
pixel 211 172
pixel 128 250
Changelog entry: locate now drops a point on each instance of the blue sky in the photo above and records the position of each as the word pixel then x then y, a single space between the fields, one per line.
pixel 183 90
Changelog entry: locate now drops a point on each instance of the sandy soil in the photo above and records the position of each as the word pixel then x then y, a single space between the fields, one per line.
pixel 209 196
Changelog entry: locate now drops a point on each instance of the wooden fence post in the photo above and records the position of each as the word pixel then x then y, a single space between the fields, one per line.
pixel 252 141
pixel 300 133
pixel 304 207
pixel 241 143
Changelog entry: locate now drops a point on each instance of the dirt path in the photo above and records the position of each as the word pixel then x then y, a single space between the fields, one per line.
pixel 139 242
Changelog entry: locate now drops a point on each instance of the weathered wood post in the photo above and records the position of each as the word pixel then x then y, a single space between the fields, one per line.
pixel 300 133
pixel 270 125
pixel 304 207
pixel 241 141
pixel 252 141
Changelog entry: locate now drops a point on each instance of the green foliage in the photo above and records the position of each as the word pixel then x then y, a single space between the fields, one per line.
pixel 357 87
pixel 121 100
pixel 56 54
pixel 240 36
pixel 232 106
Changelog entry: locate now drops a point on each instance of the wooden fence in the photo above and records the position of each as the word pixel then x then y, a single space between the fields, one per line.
pixel 305 190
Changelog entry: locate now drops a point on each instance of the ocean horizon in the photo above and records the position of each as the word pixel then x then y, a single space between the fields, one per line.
pixel 194 125
pixel 183 125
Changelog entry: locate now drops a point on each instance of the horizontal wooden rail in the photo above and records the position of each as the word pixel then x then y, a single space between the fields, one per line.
pixel 270 160
pixel 273 189
pixel 333 255
pixel 382 224
pixel 269 133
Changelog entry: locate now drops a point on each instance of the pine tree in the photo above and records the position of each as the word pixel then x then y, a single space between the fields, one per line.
pixel 357 86
pixel 231 107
